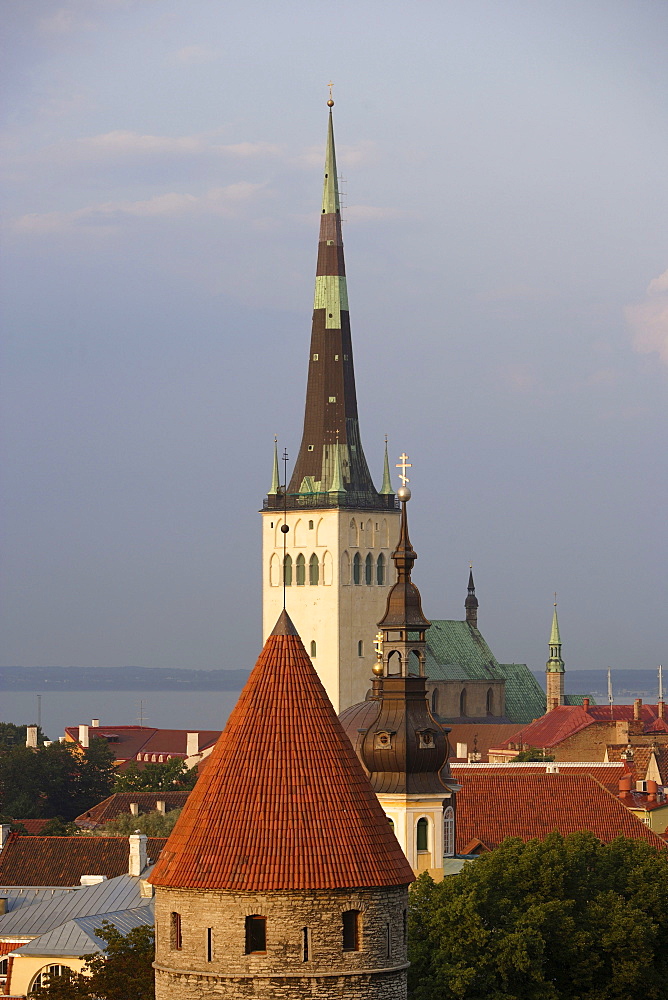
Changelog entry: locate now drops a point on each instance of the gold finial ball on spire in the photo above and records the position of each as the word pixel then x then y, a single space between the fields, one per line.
pixel 330 103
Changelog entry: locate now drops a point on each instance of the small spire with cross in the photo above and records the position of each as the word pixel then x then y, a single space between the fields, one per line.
pixel 404 464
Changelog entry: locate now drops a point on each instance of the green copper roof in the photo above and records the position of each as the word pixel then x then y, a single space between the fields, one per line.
pixel 338 486
pixel 457 651
pixel 386 488
pixel 330 192
pixel 275 480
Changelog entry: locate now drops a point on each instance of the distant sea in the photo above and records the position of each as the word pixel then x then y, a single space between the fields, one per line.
pixel 191 710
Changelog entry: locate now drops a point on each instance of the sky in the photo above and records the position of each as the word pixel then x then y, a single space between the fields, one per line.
pixel 504 185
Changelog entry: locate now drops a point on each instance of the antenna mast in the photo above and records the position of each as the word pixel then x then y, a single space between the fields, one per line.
pixel 610 691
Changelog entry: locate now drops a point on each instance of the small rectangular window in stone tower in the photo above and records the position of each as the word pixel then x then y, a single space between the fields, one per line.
pixel 351 935
pixel 256 934
pixel 176 940
pixel 209 944
pixel 305 945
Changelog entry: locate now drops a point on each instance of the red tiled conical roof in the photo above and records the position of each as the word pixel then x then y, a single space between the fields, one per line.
pixel 283 803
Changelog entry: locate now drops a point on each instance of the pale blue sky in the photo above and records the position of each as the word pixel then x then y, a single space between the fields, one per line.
pixel 505 173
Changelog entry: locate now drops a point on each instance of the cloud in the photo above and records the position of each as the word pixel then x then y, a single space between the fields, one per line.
pixel 194 55
pixel 371 213
pixel 105 215
pixel 648 320
pixel 125 144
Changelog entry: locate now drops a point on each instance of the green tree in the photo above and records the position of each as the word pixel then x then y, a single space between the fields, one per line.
pixel 172 776
pixel 123 972
pixel 532 754
pixel 153 824
pixel 58 780
pixel 57 827
pixel 15 736
pixel 566 918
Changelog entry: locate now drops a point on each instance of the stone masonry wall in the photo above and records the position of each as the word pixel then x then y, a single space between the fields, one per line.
pixel 367 974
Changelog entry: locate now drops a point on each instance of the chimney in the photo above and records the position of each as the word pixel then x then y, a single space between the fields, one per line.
pixel 134 808
pixel 552 767
pixel 192 744
pixel 92 879
pixel 5 830
pixel 585 704
pixel 660 708
pixel 637 710
pixel 652 789
pixel 462 751
pixel 138 857
pixel 625 783
pixel 3 905
pixel 83 736
pixel 95 723
pixel 31 736
pixel 160 806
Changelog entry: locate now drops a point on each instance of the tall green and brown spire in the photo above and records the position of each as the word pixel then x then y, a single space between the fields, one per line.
pixel 331 446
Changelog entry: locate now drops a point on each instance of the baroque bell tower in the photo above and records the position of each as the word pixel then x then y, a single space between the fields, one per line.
pixel 333 563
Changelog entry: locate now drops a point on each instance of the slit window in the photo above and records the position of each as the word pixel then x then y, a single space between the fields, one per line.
pixel 306 949
pixel 314 648
pixel 209 944
pixel 176 939
pixel 351 930
pixel 256 934
pixel 360 647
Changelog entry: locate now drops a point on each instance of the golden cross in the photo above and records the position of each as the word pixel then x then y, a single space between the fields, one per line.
pixel 330 85
pixel 404 464
pixel 378 645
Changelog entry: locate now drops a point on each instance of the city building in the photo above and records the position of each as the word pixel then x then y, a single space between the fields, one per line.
pixel 145 744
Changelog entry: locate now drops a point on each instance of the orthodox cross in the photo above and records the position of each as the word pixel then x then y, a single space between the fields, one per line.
pixel 404 464
pixel 330 85
pixel 378 645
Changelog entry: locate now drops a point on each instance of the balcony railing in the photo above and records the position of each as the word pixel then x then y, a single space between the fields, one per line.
pixel 348 501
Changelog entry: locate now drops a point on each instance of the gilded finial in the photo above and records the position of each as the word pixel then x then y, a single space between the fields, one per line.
pixel 555 598
pixel 330 102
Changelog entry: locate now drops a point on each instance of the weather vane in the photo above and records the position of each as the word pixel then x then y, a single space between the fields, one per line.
pixel 404 464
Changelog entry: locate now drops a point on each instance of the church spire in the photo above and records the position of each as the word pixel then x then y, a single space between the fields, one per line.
pixel 555 667
pixel 471 602
pixel 275 478
pixel 331 400
pixel 386 488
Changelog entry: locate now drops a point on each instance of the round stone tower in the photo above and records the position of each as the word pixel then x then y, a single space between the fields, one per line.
pixel 282 877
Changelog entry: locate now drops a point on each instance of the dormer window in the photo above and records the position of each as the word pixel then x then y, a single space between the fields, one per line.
pixel 383 740
pixel 426 739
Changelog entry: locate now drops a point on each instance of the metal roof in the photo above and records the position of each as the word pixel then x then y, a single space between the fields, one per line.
pixel 120 893
pixel 78 937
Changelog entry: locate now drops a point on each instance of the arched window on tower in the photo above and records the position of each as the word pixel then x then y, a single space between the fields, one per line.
pixel 357 569
pixel 287 571
pixel 368 570
pixel 300 567
pixel 313 570
pixel 314 648
pixel 352 532
pixel 490 702
pixel 351 930
pixel 434 702
pixel 380 570
pixel 422 835
pixel 462 702
pixel 449 832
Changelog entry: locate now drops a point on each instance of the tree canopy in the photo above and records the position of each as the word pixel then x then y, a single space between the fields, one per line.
pixel 123 972
pixel 172 776
pixel 566 918
pixel 153 824
pixel 59 780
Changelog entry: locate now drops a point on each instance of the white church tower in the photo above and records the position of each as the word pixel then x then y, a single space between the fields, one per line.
pixel 333 562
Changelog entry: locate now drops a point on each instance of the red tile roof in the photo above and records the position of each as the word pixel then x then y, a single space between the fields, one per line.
pixel 33 827
pixel 552 728
pixel 63 860
pixel 607 774
pixel 119 804
pixel 283 803
pixel 492 806
pixel 127 742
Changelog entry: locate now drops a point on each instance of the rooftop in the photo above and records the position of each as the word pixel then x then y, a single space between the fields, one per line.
pixel 536 804
pixel 119 804
pixel 53 861
pixel 77 936
pixel 128 742
pixel 305 816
